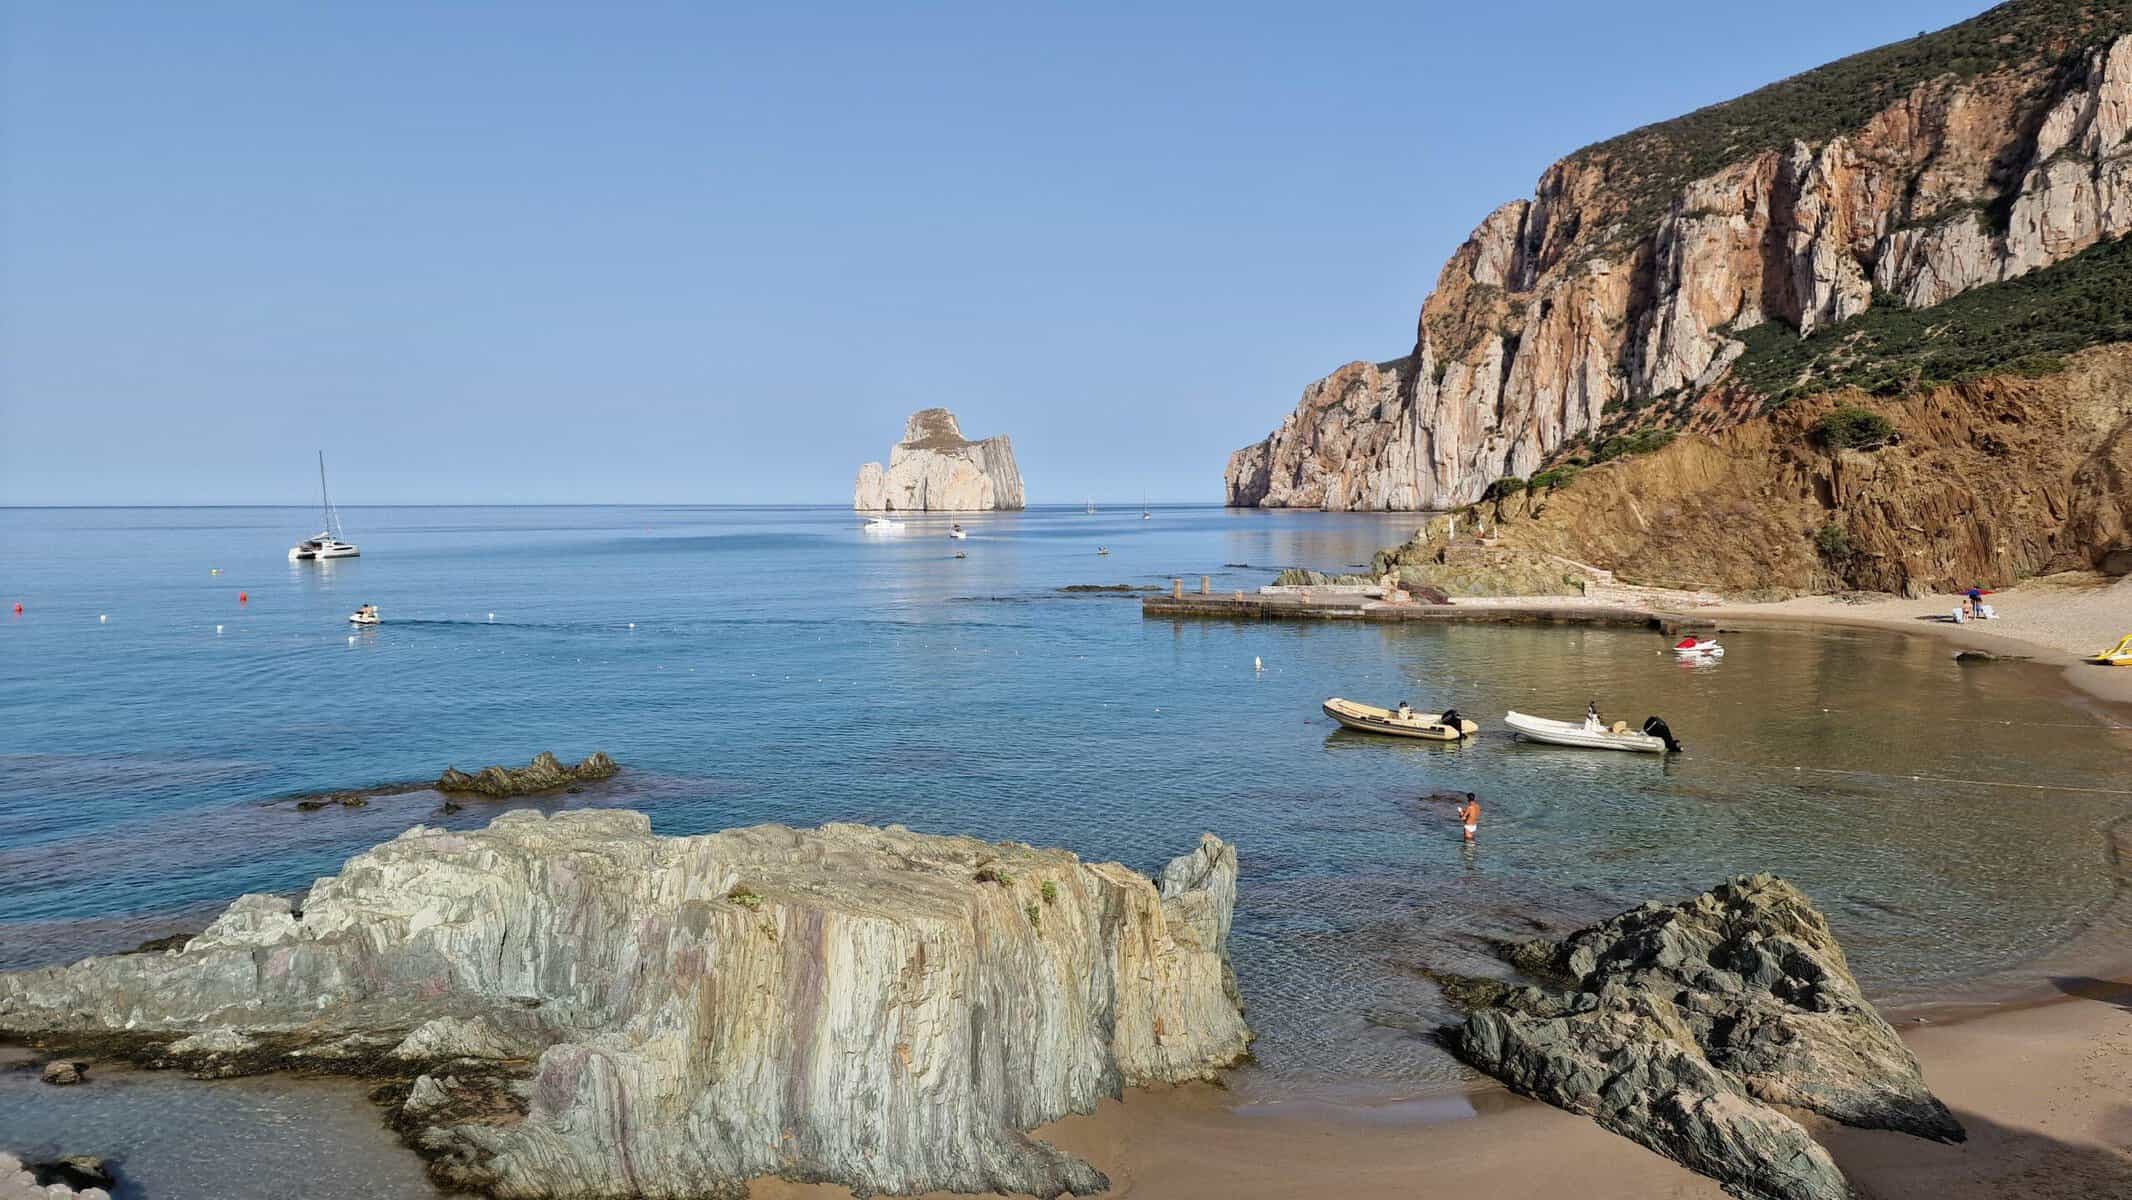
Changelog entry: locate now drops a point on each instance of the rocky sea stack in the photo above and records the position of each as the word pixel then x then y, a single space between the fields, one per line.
pixel 1931 228
pixel 935 469
pixel 1681 1025
pixel 571 1006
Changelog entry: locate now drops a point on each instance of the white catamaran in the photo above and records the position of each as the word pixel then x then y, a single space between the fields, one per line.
pixel 327 543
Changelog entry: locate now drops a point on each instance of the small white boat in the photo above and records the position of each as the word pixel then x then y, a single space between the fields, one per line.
pixel 1656 737
pixel 882 525
pixel 1696 647
pixel 1102 551
pixel 958 532
pixel 1398 722
pixel 327 542
pixel 366 615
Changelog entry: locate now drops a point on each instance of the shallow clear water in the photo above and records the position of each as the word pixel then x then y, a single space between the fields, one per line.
pixel 785 667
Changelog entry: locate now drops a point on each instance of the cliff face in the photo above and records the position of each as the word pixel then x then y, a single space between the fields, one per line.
pixel 576 1007
pixel 1985 482
pixel 935 469
pixel 1617 294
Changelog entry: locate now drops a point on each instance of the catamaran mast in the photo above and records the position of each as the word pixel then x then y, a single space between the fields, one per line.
pixel 325 503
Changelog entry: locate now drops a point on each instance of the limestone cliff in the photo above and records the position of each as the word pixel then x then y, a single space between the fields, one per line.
pixel 1626 290
pixel 571 1006
pixel 935 469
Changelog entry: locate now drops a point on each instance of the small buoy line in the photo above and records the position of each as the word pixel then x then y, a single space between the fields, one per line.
pixel 1991 783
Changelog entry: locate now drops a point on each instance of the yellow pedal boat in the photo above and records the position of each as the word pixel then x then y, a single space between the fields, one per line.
pixel 2119 655
pixel 1368 718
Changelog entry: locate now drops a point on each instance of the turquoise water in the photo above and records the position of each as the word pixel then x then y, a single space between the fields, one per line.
pixel 749 665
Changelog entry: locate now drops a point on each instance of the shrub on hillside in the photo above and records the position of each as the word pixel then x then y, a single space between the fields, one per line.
pixel 1853 428
pixel 1504 488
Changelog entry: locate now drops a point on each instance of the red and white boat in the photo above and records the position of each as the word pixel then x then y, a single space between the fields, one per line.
pixel 1695 647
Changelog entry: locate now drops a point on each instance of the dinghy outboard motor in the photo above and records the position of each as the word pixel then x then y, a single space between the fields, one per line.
pixel 1453 722
pixel 1656 727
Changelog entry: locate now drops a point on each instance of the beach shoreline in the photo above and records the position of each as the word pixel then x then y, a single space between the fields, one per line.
pixel 2045 1092
pixel 2055 622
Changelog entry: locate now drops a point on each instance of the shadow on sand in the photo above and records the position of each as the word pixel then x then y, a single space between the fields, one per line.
pixel 2102 991
pixel 1997 1160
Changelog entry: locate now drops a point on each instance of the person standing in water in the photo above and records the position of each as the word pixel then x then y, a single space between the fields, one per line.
pixel 1469 815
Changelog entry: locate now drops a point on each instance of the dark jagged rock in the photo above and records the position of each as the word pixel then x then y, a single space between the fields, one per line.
pixel 1687 1021
pixel 77 1171
pixel 543 774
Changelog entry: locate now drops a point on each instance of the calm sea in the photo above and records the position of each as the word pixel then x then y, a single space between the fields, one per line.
pixel 172 680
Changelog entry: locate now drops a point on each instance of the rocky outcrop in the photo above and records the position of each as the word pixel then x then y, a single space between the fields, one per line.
pixel 75 1178
pixel 935 469
pixel 572 1006
pixel 1618 292
pixel 543 774
pixel 1987 482
pixel 1683 1024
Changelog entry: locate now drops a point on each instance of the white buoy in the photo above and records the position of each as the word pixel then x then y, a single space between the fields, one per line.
pixel 218 631
pixel 351 639
pixel 632 624
pixel 492 618
pixel 102 617
pixel 1257 664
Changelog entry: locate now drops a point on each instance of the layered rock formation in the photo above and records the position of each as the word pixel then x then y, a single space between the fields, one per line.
pixel 1684 1023
pixel 935 469
pixel 1617 294
pixel 571 1006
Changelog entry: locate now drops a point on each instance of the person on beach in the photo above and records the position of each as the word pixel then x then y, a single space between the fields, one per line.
pixel 1469 815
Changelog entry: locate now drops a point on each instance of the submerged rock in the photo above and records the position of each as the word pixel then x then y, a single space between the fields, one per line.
pixel 1687 1021
pixel 543 774
pixel 78 1177
pixel 571 1006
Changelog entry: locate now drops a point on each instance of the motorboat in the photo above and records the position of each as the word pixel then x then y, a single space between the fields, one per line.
pixel 2119 655
pixel 882 525
pixel 1102 551
pixel 1698 647
pixel 328 542
pixel 366 615
pixel 1656 738
pixel 1401 721
pixel 958 532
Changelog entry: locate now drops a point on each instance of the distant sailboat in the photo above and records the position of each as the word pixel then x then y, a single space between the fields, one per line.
pixel 1145 515
pixel 327 543
pixel 1091 506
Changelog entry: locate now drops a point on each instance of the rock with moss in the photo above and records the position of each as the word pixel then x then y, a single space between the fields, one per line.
pixel 573 1006
pixel 1687 1024
pixel 544 774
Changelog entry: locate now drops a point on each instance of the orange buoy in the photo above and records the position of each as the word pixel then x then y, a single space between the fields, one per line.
pixel 243 598
pixel 18 608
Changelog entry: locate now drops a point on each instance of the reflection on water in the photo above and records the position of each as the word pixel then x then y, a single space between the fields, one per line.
pixel 784 667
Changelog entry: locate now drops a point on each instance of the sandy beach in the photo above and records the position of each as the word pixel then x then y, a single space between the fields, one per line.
pixel 2044 1091
pixel 2056 620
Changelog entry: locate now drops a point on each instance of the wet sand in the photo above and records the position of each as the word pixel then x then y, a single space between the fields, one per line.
pixel 2044 1091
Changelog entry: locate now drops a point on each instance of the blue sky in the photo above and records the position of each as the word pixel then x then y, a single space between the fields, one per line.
pixel 516 253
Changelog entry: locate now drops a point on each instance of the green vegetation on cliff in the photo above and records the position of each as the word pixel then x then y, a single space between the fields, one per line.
pixel 2023 326
pixel 1646 167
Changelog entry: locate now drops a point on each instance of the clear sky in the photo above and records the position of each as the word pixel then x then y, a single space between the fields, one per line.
pixel 700 252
